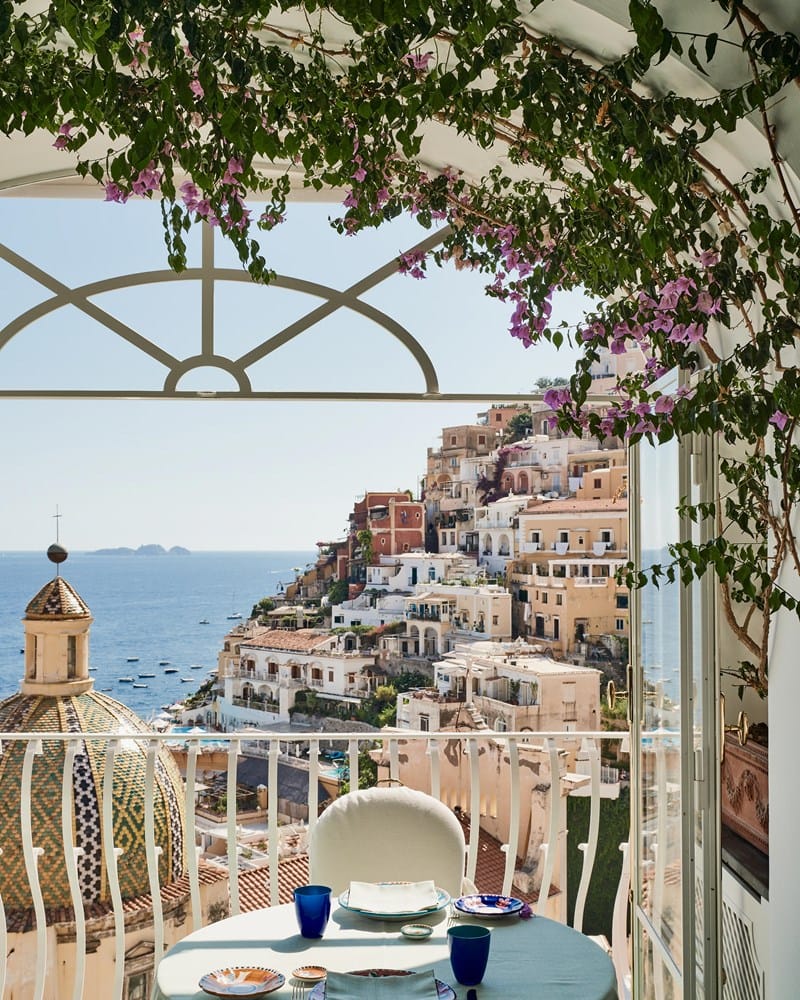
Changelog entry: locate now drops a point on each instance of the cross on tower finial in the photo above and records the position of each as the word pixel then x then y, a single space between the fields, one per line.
pixel 56 553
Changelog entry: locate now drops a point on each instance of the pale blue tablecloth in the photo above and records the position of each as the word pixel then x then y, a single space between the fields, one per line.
pixel 536 959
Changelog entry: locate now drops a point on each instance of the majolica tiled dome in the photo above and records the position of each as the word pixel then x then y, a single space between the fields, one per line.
pixel 56 695
pixel 90 712
pixel 57 599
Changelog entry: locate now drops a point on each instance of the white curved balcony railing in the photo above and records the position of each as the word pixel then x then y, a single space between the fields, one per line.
pixel 394 747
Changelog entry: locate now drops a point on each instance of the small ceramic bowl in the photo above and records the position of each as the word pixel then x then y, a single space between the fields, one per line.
pixel 416 931
pixel 310 973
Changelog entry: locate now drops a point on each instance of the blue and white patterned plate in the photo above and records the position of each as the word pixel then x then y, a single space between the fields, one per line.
pixel 483 905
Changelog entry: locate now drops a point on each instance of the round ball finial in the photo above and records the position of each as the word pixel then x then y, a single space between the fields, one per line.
pixel 57 553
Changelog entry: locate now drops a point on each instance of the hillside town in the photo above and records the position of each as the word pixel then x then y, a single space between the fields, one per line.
pixel 509 553
pixel 488 604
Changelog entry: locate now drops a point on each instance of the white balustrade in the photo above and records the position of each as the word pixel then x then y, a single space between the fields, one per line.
pixel 438 749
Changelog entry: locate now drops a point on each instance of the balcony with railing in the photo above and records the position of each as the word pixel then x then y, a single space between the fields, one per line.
pixel 260 868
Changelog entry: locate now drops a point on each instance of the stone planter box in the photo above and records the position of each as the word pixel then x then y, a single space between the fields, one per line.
pixel 745 791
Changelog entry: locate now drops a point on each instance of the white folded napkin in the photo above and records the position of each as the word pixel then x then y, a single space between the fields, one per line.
pixel 392 897
pixel 344 986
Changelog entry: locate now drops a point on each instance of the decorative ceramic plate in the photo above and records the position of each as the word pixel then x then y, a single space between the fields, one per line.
pixel 310 973
pixel 443 991
pixel 442 899
pixel 482 905
pixel 240 981
pixel 416 931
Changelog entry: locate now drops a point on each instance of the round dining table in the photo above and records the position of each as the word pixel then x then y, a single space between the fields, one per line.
pixel 533 958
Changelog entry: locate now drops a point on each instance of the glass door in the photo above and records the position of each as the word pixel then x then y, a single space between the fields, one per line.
pixel 675 839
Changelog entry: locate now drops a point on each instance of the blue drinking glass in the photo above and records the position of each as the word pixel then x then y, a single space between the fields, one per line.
pixel 312 907
pixel 468 945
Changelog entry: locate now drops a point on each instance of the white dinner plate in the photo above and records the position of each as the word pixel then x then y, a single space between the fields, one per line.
pixel 442 899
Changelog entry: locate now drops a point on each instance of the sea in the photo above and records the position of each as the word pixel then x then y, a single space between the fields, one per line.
pixel 146 610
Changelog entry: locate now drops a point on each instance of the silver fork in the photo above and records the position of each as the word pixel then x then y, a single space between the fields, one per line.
pixel 298 990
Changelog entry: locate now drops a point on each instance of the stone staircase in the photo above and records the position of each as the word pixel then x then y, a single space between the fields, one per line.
pixel 478 720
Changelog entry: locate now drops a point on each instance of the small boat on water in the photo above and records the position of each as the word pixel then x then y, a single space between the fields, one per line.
pixel 147 675
pixel 140 685
pixel 187 680
pixel 133 659
pixel 234 615
pixel 125 680
pixel 171 670
pixel 204 621
pixel 196 666
pixel 163 663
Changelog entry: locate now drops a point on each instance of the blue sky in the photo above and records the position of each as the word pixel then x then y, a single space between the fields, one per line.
pixel 228 475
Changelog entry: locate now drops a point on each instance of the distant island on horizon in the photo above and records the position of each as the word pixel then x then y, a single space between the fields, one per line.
pixel 143 550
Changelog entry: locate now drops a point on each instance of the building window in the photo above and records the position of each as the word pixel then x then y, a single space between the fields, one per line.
pixel 544 597
pixel 137 986
pixel 622 600
pixel 453 439
pixel 338 619
pixel 522 595
pixel 330 676
pixel 559 599
pixel 72 656
pixel 425 723
pixel 598 483
pixel 495 620
pixel 620 625
pixel 481 439
pixel 563 536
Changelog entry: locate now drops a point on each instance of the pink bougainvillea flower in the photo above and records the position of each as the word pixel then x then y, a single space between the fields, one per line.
pixel 351 201
pixel 664 404
pixel 557 398
pixel 418 61
pixel 708 258
pixel 359 175
pixel 707 304
pixel 694 332
pixel 411 263
pixel 61 142
pixel 190 195
pixel 197 88
pixel 779 419
pixel 148 179
pixel 115 193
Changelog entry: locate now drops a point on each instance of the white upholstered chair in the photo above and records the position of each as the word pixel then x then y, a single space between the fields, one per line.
pixel 387 835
